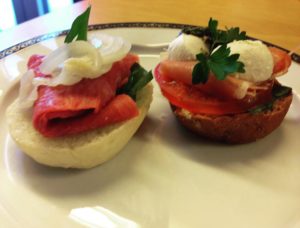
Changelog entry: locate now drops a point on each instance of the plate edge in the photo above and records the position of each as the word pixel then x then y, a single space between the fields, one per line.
pixel 17 47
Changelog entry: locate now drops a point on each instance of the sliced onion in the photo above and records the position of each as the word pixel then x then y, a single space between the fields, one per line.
pixel 28 91
pixel 72 62
pixel 112 48
pixel 80 59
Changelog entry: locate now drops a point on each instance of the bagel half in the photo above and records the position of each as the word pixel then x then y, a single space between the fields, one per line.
pixel 237 128
pixel 84 150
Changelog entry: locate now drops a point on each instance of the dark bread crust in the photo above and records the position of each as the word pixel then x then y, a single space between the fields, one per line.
pixel 238 128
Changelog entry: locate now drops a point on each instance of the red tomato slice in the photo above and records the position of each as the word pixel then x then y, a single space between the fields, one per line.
pixel 215 97
pixel 194 100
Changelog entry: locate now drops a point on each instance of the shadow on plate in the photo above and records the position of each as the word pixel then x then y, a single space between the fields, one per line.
pixel 191 146
pixel 272 162
pixel 60 182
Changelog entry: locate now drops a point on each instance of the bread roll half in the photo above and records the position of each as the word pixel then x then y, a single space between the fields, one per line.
pixel 83 150
pixel 237 128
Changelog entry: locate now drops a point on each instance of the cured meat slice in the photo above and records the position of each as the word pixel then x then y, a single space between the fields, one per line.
pixel 66 110
pixel 282 61
pixel 231 87
pixel 120 108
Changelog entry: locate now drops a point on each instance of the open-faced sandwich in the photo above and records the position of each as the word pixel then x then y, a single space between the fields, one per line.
pixel 79 105
pixel 223 86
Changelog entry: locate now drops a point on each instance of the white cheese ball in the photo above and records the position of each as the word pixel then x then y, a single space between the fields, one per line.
pixel 185 47
pixel 257 58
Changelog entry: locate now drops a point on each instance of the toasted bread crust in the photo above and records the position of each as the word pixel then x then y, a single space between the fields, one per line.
pixel 238 128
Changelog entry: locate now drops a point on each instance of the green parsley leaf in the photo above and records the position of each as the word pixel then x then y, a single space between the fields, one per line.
pixel 138 78
pixel 79 27
pixel 278 91
pixel 212 27
pixel 215 37
pixel 235 34
pixel 218 37
pixel 201 70
pixel 220 62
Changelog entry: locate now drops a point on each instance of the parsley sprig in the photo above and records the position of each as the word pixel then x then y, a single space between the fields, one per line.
pixel 138 78
pixel 218 60
pixel 79 27
pixel 219 37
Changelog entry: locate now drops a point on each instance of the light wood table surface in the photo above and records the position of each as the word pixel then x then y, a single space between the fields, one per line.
pixel 276 21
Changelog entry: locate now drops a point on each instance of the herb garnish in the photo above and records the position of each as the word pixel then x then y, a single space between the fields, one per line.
pixel 138 78
pixel 278 91
pixel 219 37
pixel 220 62
pixel 215 37
pixel 79 27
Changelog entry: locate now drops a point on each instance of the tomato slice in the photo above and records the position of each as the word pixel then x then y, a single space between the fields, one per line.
pixel 193 99
pixel 215 97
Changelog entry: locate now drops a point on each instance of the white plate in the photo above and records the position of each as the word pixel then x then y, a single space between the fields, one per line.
pixel 165 177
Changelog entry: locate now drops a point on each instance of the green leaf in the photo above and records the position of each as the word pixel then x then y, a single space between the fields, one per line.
pixel 218 37
pixel 220 62
pixel 201 70
pixel 217 69
pixel 278 91
pixel 240 67
pixel 233 67
pixel 79 27
pixel 212 26
pixel 214 37
pixel 196 31
pixel 233 57
pixel 235 34
pixel 220 54
pixel 138 78
pixel 200 73
pixel 262 108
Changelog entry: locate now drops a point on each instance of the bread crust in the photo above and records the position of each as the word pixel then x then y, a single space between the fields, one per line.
pixel 84 150
pixel 238 128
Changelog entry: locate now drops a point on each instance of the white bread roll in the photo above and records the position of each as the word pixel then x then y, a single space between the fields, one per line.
pixel 83 150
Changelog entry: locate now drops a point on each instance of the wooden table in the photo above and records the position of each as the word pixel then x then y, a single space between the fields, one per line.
pixel 275 21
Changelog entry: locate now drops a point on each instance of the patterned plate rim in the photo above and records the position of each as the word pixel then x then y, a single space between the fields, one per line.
pixel 15 48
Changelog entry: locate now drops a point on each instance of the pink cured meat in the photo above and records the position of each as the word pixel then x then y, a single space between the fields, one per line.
pixel 86 105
